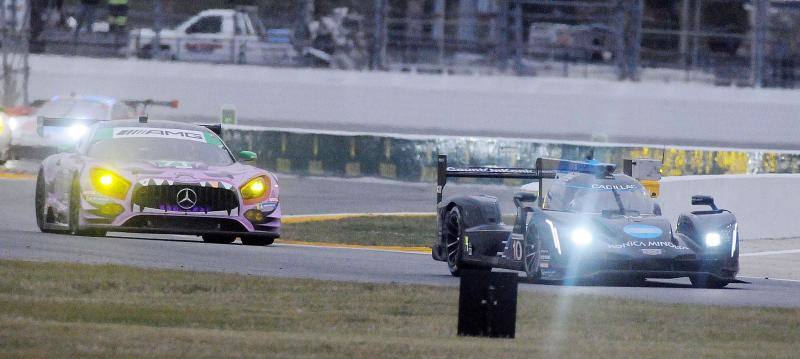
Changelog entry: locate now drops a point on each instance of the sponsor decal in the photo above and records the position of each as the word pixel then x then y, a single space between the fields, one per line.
pixel 172 164
pixel 174 133
pixel 652 251
pixel 467 246
pixel 649 244
pixel 619 187
pixel 643 231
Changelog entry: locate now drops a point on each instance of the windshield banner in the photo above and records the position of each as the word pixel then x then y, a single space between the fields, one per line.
pixel 174 133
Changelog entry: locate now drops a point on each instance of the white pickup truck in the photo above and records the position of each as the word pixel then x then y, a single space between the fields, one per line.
pixel 220 36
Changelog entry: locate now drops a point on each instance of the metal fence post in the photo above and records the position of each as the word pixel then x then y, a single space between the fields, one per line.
pixel 634 55
pixel 155 48
pixel 698 6
pixel 518 39
pixel 379 45
pixel 439 9
pixel 758 39
pixel 502 36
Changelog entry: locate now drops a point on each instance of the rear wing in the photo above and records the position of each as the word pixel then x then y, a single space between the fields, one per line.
pixel 546 168
pixel 443 172
pixel 141 105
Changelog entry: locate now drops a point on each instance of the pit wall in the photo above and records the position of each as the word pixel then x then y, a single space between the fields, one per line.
pixel 412 158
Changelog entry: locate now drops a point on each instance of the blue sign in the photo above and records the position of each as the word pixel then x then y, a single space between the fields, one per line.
pixel 643 231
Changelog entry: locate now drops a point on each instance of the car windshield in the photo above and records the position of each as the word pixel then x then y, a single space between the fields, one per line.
pixel 598 197
pixel 160 149
pixel 75 108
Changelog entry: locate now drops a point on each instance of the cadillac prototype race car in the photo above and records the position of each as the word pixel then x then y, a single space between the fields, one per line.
pixel 591 222
pixel 157 177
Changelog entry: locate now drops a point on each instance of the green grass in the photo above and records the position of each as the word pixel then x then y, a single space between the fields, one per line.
pixel 74 310
pixel 384 231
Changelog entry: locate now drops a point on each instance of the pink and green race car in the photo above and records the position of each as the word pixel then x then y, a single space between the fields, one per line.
pixel 157 177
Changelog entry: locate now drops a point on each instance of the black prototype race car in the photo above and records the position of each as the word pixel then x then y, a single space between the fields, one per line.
pixel 592 222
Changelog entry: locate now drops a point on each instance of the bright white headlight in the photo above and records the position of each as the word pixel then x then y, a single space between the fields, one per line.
pixel 713 239
pixel 581 237
pixel 77 131
pixel 12 124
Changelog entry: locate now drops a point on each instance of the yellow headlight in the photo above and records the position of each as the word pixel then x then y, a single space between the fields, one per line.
pixel 109 183
pixel 255 188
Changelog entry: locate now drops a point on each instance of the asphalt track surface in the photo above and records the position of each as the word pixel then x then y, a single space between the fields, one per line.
pixel 20 239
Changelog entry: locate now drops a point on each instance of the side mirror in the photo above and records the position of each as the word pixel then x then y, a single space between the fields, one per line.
pixel 248 156
pixel 521 197
pixel 700 200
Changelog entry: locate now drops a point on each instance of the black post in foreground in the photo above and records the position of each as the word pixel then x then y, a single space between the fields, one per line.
pixel 487 304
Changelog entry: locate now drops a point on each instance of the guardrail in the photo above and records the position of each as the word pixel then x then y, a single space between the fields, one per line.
pixel 412 158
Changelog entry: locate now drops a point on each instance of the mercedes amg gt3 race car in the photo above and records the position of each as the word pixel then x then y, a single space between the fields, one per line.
pixel 591 222
pixel 157 177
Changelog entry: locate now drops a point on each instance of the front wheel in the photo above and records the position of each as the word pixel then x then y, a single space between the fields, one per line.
pixel 707 282
pixel 75 213
pixel 218 239
pixel 531 260
pixel 257 241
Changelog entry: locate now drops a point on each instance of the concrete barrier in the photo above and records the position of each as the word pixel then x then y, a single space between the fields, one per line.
pixel 412 158
pixel 766 205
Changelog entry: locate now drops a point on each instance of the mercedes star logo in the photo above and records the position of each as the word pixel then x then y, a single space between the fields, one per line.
pixel 187 198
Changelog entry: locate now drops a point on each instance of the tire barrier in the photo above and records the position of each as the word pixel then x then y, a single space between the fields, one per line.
pixel 412 158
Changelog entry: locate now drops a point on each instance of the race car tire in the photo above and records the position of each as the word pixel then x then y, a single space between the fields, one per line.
pixel 74 213
pixel 453 234
pixel 257 241
pixel 39 201
pixel 218 239
pixel 707 282
pixel 531 260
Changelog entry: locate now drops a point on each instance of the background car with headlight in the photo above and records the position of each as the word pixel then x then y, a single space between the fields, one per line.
pixel 157 177
pixel 75 113
pixel 591 222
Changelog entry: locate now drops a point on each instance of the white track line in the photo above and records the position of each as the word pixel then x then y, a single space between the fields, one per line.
pixel 768 278
pixel 770 253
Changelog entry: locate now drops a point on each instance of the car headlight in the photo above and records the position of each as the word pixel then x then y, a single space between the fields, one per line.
pixel 581 237
pixel 713 239
pixel 12 124
pixel 109 183
pixel 554 233
pixel 255 188
pixel 2 125
pixel 77 131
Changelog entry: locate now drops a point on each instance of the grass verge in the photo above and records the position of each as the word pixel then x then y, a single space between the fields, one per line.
pixel 415 231
pixel 74 310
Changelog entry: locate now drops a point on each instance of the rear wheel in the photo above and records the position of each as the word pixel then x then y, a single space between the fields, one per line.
pixel 74 213
pixel 453 239
pixel 257 241
pixel 219 239
pixel 707 282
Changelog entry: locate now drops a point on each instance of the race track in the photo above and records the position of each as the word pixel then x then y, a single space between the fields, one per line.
pixel 19 239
